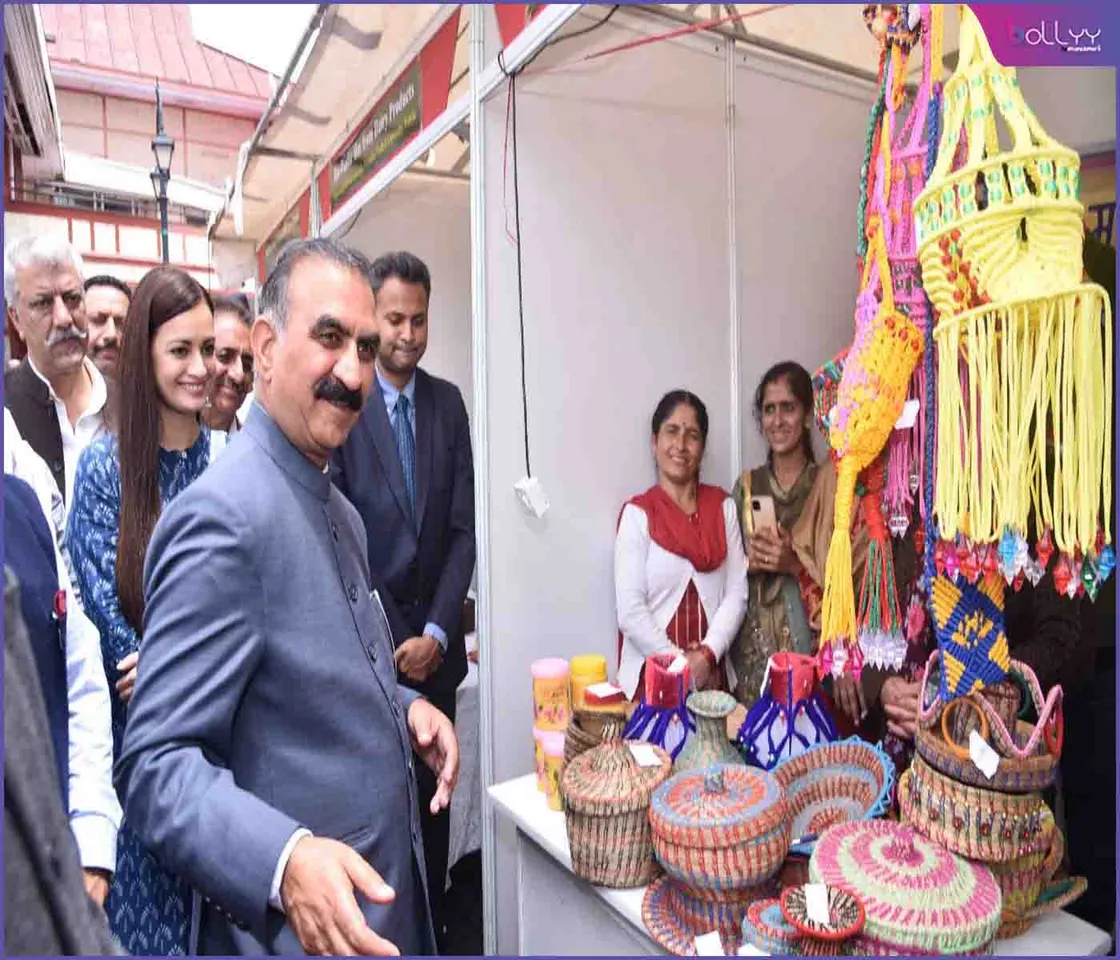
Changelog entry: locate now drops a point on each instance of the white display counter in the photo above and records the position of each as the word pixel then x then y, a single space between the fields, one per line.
pixel 561 915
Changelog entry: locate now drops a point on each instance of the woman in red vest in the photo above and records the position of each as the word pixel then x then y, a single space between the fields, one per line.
pixel 680 571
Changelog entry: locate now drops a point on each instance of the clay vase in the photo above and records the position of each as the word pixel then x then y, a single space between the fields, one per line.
pixel 709 745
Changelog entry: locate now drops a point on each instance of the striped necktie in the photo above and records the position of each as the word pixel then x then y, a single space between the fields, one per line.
pixel 406 450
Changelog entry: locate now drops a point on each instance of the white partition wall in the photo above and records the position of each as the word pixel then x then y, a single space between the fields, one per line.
pixel 625 264
pixel 799 142
pixel 430 217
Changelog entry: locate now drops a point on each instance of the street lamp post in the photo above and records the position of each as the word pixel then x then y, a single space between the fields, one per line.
pixel 163 147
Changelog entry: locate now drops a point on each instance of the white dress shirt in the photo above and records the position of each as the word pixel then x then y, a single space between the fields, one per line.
pixel 90 424
pixel 650 583
pixel 95 812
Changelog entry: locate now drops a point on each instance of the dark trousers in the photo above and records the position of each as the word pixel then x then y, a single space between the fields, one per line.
pixel 436 830
pixel 1089 787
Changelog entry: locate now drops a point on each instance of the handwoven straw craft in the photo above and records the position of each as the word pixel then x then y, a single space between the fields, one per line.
pixel 606 808
pixel 1022 342
pixel 917 897
pixel 766 928
pixel 834 783
pixel 1049 730
pixel 972 639
pixel 845 920
pixel 720 829
pixel 675 917
pixel 1025 883
pixel 971 821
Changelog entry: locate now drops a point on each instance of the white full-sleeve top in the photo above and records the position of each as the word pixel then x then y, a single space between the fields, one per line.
pixel 650 583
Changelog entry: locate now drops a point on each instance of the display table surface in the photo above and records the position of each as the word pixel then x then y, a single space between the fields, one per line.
pixel 560 914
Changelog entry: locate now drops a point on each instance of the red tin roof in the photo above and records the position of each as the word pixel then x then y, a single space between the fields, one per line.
pixel 146 39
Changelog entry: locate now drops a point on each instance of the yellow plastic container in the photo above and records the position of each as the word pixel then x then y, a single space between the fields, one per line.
pixel 587 670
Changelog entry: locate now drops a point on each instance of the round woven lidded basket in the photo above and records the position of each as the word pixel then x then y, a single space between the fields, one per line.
pixel 917 896
pixel 606 810
pixel 833 783
pixel 766 928
pixel 980 824
pixel 675 916
pixel 720 829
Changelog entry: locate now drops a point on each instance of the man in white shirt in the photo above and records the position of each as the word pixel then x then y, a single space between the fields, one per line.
pixel 95 812
pixel 57 396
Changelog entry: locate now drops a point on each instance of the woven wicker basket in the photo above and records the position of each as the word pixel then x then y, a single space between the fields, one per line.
pixel 979 824
pixel 606 808
pixel 585 732
pixel 1030 775
pixel 1027 887
pixel 918 897
pixel 721 829
pixel 833 783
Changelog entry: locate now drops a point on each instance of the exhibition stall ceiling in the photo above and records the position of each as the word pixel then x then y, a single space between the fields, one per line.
pixel 351 52
pixel 354 53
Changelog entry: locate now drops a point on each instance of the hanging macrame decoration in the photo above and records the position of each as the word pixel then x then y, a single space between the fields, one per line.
pixel 869 398
pixel 1023 345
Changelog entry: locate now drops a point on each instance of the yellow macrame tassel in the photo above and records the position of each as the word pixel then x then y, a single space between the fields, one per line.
pixel 838 611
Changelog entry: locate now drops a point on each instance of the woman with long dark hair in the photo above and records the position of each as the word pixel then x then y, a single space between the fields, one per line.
pixel 783 600
pixel 121 485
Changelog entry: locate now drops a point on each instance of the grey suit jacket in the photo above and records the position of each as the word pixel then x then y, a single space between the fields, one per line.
pixel 46 909
pixel 267 699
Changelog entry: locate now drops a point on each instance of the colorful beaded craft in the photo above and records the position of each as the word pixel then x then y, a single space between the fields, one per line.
pixel 720 829
pixel 917 897
pixel 1023 374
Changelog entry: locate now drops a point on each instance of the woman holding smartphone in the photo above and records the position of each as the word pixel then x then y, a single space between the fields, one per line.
pixel 783 600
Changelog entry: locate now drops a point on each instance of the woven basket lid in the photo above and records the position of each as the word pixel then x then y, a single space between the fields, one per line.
pixel 766 928
pixel 718 806
pixel 608 779
pixel 914 892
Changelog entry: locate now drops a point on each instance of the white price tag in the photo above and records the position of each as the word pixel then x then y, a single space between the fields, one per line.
pixel 603 690
pixel 709 945
pixel 644 754
pixel 985 758
pixel 909 415
pixel 678 665
pixel 816 904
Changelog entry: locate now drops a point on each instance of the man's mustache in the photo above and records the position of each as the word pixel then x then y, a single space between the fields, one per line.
pixel 104 346
pixel 62 334
pixel 335 391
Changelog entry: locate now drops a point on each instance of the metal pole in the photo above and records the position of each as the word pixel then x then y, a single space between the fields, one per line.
pixel 163 238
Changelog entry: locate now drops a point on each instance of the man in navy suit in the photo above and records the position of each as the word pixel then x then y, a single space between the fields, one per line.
pixel 408 469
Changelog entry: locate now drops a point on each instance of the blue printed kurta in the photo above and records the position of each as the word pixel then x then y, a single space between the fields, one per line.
pixel 149 909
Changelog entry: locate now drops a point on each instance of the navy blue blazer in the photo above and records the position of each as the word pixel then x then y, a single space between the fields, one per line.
pixel 30 553
pixel 428 567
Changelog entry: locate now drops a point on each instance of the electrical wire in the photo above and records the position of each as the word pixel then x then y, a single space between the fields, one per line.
pixel 511 109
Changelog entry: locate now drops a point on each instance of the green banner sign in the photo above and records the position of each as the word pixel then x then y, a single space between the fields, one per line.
pixel 289 229
pixel 390 126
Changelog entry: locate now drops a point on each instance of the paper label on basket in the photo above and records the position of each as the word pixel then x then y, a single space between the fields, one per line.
pixel 709 945
pixel 678 665
pixel 909 415
pixel 985 758
pixel 816 903
pixel 603 691
pixel 644 754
